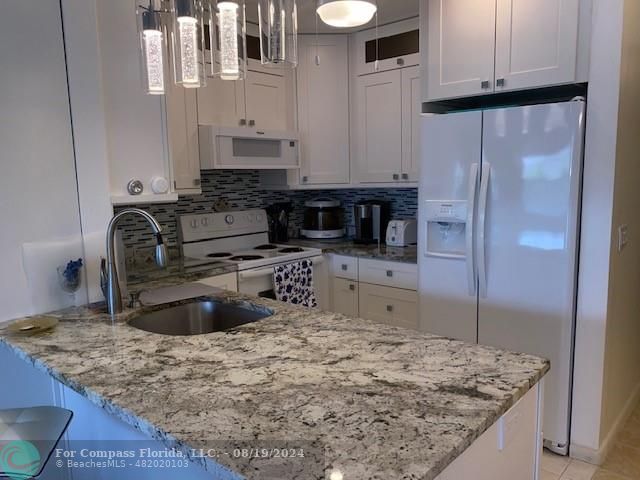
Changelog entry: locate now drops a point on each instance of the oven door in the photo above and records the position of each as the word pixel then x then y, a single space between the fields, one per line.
pixel 259 281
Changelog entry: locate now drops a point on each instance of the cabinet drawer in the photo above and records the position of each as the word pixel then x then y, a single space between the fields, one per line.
pixel 345 297
pixel 391 274
pixel 391 306
pixel 345 267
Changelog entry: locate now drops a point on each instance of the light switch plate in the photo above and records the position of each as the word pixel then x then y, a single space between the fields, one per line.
pixel 623 237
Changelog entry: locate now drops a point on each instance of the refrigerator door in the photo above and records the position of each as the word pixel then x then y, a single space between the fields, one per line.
pixel 532 162
pixel 451 152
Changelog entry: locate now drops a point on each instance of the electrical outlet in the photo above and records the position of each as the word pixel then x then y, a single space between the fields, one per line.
pixel 623 237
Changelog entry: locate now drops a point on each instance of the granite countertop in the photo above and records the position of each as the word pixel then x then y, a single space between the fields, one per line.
pixel 379 402
pixel 149 276
pixel 349 248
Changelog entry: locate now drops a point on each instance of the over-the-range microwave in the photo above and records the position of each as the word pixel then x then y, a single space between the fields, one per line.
pixel 250 148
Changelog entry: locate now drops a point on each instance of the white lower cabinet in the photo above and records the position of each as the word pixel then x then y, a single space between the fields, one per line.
pixel 391 306
pixel 227 281
pixel 345 297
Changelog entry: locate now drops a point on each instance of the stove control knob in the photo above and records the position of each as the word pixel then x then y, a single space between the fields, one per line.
pixel 229 219
pixel 204 222
pixel 194 224
pixel 260 218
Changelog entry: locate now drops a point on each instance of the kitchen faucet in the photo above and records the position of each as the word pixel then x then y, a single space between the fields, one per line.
pixel 109 272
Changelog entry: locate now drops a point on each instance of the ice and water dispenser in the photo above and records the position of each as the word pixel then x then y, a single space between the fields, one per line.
pixel 446 232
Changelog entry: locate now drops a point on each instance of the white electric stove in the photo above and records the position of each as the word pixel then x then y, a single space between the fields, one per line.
pixel 241 238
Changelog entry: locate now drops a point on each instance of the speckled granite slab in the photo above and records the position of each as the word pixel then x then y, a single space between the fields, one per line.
pixel 351 249
pixel 176 273
pixel 383 402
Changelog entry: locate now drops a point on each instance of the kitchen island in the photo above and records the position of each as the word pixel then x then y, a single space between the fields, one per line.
pixel 378 402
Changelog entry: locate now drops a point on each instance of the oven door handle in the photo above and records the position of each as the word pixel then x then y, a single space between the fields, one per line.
pixel 263 272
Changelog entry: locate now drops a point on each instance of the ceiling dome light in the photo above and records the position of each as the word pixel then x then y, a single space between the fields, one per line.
pixel 346 13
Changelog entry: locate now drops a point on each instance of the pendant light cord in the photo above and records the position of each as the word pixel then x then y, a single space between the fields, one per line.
pixel 376 65
pixel 317 54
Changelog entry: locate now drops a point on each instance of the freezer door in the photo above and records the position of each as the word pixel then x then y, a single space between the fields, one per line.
pixel 450 152
pixel 532 161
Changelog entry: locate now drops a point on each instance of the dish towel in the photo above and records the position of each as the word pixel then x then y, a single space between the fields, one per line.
pixel 294 283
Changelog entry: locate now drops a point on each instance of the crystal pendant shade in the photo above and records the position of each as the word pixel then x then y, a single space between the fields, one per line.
pixel 278 21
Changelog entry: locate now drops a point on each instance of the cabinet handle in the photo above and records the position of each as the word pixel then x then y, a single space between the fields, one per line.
pixel 252 123
pixel 243 122
pixel 389 308
pixel 344 267
pixel 485 84
pixel 396 176
pixel 400 61
pixel 352 287
pixel 305 179
pixel 500 82
pixel 389 273
pixel 405 176
pixel 196 182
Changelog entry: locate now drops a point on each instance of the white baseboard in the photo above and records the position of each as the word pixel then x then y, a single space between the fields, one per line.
pixel 597 457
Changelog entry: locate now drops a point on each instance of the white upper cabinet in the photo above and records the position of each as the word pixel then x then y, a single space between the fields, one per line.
pixel 411 109
pixel 477 47
pixel 378 125
pixel 461 48
pixel 323 109
pixel 266 101
pixel 536 43
pixel 221 103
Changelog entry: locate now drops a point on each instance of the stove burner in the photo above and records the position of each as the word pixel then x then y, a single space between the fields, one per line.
pixel 266 247
pixel 219 255
pixel 246 258
pixel 291 250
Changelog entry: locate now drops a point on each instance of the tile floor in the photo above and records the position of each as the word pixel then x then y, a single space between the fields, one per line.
pixel 623 462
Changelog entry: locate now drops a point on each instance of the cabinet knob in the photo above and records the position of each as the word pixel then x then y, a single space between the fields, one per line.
pixel 396 176
pixel 485 84
pixel 305 179
pixel 400 61
pixel 352 287
pixel 405 176
pixel 243 121
pixel 344 267
pixel 500 82
pixel 389 273
pixel 252 123
pixel 389 308
pixel 196 182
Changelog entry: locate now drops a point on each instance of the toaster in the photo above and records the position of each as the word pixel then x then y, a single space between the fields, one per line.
pixel 402 233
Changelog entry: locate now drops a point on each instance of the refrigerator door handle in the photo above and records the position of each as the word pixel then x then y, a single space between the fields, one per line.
pixel 470 227
pixel 482 218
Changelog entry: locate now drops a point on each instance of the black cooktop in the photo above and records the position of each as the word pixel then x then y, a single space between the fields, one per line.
pixel 266 247
pixel 219 255
pixel 291 250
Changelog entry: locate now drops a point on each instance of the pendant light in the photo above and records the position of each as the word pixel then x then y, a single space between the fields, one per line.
pixel 152 49
pixel 228 40
pixel 278 21
pixel 188 43
pixel 346 13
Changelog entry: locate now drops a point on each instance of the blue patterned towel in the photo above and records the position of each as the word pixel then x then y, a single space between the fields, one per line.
pixel 294 283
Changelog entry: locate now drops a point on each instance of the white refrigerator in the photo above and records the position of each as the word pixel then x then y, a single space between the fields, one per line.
pixel 499 213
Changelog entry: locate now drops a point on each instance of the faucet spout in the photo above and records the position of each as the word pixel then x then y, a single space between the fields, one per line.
pixel 112 288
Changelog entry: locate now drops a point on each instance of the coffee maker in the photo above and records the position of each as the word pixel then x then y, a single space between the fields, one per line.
pixel 371 218
pixel 278 215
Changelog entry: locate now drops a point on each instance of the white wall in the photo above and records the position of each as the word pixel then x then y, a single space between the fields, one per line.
pixel 38 195
pixel 607 358
pixel 622 351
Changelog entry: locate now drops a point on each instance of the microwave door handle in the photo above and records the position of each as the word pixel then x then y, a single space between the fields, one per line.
pixel 482 220
pixel 470 229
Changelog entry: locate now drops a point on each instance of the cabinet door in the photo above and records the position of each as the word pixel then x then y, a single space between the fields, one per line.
pixel 536 43
pixel 182 132
pixel 227 281
pixel 221 103
pixel 345 297
pixel 323 109
pixel 379 127
pixel 461 48
pixel 265 96
pixel 411 109
pixel 391 306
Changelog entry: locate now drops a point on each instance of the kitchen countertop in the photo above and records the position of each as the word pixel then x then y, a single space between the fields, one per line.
pixel 349 248
pixel 380 402
pixel 147 277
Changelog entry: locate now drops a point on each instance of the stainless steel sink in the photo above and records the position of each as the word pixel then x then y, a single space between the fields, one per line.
pixel 196 318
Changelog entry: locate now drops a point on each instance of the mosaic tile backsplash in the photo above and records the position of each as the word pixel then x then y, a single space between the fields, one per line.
pixel 241 190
